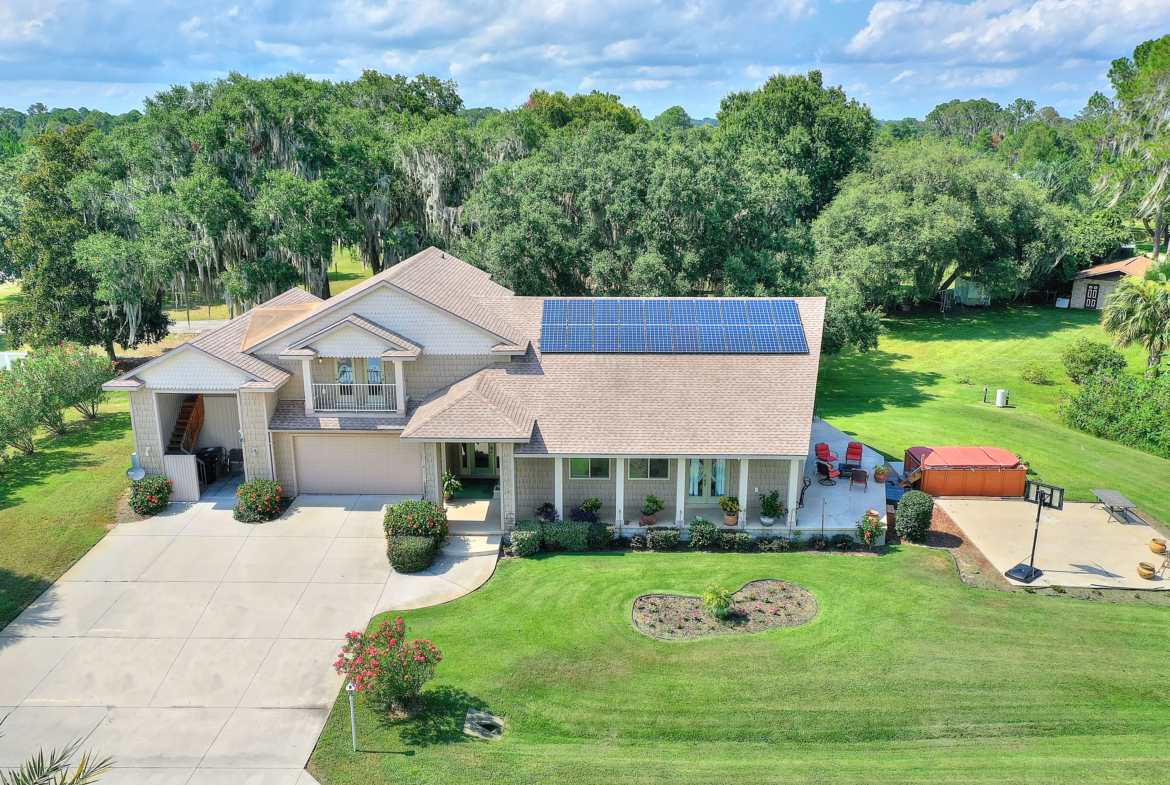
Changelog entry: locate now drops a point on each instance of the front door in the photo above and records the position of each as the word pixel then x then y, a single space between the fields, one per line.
pixel 479 458
pixel 1092 292
pixel 706 480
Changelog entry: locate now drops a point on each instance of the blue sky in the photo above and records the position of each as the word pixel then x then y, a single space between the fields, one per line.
pixel 901 57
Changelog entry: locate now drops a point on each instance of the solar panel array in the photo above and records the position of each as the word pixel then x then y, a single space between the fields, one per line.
pixel 699 326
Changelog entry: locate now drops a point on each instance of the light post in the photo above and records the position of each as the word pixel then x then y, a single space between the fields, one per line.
pixel 350 689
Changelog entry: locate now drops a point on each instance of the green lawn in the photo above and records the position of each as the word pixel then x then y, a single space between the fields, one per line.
pixel 55 504
pixel 906 675
pixel 909 392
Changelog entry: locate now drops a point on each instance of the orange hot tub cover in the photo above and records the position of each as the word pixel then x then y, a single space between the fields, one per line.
pixel 967 471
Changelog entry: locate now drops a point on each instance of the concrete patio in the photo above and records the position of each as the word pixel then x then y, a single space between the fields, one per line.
pixel 841 505
pixel 1079 546
pixel 196 649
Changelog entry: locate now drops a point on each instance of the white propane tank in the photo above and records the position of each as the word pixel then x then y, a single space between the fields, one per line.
pixel 1001 398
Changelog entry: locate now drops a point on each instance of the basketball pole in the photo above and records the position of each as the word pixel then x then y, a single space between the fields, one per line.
pixel 1036 533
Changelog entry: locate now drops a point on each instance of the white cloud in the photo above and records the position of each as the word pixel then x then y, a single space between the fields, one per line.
pixel 1064 87
pixel 652 84
pixel 279 50
pixel 961 78
pixel 903 75
pixel 669 70
pixel 192 28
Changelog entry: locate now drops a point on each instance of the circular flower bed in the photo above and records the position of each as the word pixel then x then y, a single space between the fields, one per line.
pixel 758 606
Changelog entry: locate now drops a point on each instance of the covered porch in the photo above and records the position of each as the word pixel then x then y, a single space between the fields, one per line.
pixel 201 437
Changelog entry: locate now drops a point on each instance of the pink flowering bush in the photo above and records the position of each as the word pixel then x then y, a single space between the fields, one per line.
pixel 385 667
pixel 416 519
pixel 258 501
pixel 150 495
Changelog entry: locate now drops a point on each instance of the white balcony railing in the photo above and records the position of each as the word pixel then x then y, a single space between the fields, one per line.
pixel 354 397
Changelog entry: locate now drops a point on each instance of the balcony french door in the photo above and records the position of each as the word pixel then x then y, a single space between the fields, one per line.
pixel 706 480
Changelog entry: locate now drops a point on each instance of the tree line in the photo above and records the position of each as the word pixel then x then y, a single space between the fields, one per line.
pixel 241 188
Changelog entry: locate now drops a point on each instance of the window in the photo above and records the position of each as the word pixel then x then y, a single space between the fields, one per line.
pixel 374 370
pixel 586 468
pixel 649 468
pixel 345 370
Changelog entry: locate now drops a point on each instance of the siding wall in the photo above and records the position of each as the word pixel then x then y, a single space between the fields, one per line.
pixel 1077 300
pixel 767 476
pixel 282 450
pixel 168 405
pixel 534 485
pixel 145 424
pixel 255 411
pixel 638 490
pixel 184 477
pixel 432 372
pixel 508 509
pixel 432 472
pixel 192 370
pixel 221 422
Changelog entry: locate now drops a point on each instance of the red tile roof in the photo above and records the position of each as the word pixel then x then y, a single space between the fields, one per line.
pixel 1135 265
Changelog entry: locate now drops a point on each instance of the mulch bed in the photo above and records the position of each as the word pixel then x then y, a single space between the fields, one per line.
pixel 758 606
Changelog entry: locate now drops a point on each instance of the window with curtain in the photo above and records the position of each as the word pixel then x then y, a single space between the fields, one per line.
pixel 374 370
pixel 345 370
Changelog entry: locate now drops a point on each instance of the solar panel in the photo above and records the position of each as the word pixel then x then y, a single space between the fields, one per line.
pixel 605 338
pixel 685 338
pixel 658 338
pixel 707 312
pixel 552 338
pixel 633 338
pixel 631 312
pixel 580 312
pixel 657 312
pixel 759 313
pixel 681 325
pixel 554 311
pixel 739 337
pixel 605 311
pixel 711 339
pixel 682 312
pixel 764 338
pixel 579 338
pixel 734 312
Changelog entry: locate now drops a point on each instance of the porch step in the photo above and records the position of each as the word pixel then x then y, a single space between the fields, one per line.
pixel 472 544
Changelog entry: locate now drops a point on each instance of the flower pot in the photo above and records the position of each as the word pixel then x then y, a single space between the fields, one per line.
pixel 648 520
pixel 731 520
pixel 881 476
pixel 448 497
pixel 766 521
pixel 1146 570
pixel 1158 545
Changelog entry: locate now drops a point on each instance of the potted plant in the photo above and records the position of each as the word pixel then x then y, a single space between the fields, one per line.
pixel 450 485
pixel 881 472
pixel 770 507
pixel 650 511
pixel 731 508
pixel 546 513
pixel 870 529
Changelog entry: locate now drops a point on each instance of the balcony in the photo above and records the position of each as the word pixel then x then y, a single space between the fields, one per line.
pixel 355 398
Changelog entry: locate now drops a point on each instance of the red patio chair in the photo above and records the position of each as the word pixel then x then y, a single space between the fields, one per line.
pixel 828 474
pixel 824 454
pixel 859 477
pixel 853 454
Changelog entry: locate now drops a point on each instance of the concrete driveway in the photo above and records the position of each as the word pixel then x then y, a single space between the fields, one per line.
pixel 195 649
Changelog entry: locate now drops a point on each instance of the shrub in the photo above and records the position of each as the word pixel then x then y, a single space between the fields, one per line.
pixel 717 599
pixel 385 667
pixel 797 541
pixel 600 535
pixel 546 512
pixel 770 506
pixel 744 542
pixel 818 542
pixel 1083 358
pixel 727 540
pixel 773 544
pixel 150 495
pixel 582 515
pixel 662 538
pixel 653 505
pixel 416 518
pixel 637 543
pixel 843 542
pixel 869 529
pixel 257 501
pixel 915 511
pixel 591 505
pixel 1127 409
pixel 566 536
pixel 74 375
pixel 411 553
pixel 704 534
pixel 1035 372
pixel 23 409
pixel 525 543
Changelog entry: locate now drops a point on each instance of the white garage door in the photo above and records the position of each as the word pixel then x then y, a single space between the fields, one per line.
pixel 378 464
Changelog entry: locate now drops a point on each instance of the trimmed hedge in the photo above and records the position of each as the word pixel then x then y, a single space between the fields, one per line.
pixel 915 511
pixel 566 536
pixel 409 553
pixel 150 495
pixel 600 535
pixel 258 501
pixel 773 544
pixel 704 535
pixel 416 519
pixel 744 542
pixel 526 543
pixel 817 542
pixel 843 542
pixel 662 538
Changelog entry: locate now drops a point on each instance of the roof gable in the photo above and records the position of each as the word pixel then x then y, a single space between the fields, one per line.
pixel 189 367
pixel 355 336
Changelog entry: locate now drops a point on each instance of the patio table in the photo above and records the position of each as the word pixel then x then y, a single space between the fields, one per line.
pixel 1117 505
pixel 846 469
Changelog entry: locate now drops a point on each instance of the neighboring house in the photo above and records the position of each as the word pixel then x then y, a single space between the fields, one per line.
pixel 1091 286
pixel 430 367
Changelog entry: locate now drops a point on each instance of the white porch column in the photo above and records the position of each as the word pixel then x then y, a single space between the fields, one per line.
pixel 680 495
pixel 743 490
pixel 307 372
pixel 507 455
pixel 399 389
pixel 620 499
pixel 559 486
pixel 795 481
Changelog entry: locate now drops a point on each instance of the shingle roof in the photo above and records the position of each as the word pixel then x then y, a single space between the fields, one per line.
pixel 477 408
pixel 289 415
pixel 1135 265
pixel 656 404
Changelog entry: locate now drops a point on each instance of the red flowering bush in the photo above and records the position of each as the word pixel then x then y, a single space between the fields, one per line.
pixel 385 667
pixel 416 519
pixel 150 495
pixel 258 501
pixel 870 529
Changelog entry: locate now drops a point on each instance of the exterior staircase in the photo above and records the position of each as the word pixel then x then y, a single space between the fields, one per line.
pixel 187 427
